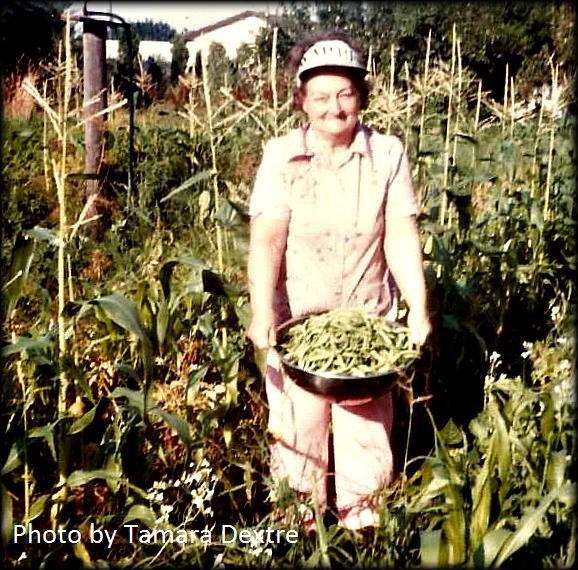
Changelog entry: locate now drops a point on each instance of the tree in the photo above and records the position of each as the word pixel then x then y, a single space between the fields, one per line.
pixel 155 31
pixel 522 35
pixel 219 67
pixel 28 32
pixel 295 20
pixel 180 58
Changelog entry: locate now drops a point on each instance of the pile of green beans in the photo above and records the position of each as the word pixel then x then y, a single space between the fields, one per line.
pixel 348 342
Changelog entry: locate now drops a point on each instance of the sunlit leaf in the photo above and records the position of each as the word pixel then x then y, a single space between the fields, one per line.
pixel 82 477
pixel 135 398
pixel 83 422
pixel 13 460
pixel 567 494
pixel 556 470
pixel 451 434
pixel 432 549
pixel 187 184
pixel 23 344
pixel 482 500
pixel 525 529
pixel 141 513
pixel 194 383
pixel 162 322
pixel 37 507
pixel 17 275
pixel 44 234
pixel 491 544
pixel 82 554
pixel 180 425
pixel 7 517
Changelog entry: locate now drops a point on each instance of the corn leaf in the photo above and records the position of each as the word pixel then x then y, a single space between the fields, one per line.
pixel 123 312
pixel 482 500
pixel 46 432
pixel 180 425
pixel 37 507
pixel 527 526
pixel 82 477
pixel 556 470
pixel 82 554
pixel 7 518
pixel 187 184
pixel 491 544
pixel 194 383
pixel 23 344
pixel 84 421
pixel 432 548
pixel 141 513
pixel 22 253
pixel 162 322
pixel 135 397
pixel 13 460
pixel 567 494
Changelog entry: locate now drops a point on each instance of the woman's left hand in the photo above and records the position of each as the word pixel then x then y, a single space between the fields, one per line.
pixel 419 326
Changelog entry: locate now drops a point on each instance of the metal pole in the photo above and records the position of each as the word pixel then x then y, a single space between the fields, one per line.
pixel 95 98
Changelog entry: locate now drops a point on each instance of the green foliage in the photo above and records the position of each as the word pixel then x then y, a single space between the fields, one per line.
pixel 523 35
pixel 180 55
pixel 156 31
pixel 26 201
pixel 220 67
pixel 511 487
pixel 165 411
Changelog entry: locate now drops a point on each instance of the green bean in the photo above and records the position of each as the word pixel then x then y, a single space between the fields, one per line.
pixel 347 341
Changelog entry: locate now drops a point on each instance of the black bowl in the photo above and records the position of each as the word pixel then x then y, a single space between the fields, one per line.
pixel 338 388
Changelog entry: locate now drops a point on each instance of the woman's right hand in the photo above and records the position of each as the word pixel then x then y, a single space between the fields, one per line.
pixel 261 332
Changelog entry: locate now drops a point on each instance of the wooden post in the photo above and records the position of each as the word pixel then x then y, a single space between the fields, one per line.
pixel 95 100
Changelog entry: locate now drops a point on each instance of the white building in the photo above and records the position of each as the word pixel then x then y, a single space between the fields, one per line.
pixel 231 33
pixel 159 51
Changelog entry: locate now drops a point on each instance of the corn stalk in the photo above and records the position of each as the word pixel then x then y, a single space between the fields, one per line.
pixel 391 83
pixel 59 120
pixel 56 166
pixel 444 204
pixel 273 79
pixel 535 156
pixel 407 107
pixel 458 99
pixel 216 198
pixel 512 107
pixel 551 146
pixel 506 83
pixel 424 92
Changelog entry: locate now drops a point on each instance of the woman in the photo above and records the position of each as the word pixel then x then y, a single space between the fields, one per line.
pixel 333 219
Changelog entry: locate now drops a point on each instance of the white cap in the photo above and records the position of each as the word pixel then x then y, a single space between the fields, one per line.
pixel 330 53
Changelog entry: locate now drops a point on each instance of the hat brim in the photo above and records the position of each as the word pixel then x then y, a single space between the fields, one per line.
pixel 350 70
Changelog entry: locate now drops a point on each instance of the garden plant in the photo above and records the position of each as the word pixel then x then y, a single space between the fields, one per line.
pixel 134 413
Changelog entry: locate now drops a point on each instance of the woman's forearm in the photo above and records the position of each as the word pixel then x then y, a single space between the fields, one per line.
pixel 266 251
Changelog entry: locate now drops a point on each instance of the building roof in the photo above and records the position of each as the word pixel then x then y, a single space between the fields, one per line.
pixel 191 35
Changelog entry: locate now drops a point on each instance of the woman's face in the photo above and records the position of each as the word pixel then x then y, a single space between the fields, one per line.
pixel 332 104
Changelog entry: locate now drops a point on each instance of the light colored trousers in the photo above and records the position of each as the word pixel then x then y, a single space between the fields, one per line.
pixel 299 422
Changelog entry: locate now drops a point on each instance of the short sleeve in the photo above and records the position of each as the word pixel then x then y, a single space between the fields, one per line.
pixel 270 191
pixel 401 199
